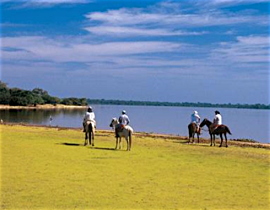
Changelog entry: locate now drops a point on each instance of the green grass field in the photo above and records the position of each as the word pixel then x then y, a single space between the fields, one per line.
pixel 47 168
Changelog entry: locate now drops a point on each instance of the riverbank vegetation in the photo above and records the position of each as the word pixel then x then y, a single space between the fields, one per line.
pixel 49 168
pixel 37 96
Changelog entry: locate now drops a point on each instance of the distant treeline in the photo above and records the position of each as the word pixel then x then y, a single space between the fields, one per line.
pixel 184 104
pixel 19 97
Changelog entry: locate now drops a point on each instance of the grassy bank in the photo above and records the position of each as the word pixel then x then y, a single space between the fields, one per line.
pixel 49 168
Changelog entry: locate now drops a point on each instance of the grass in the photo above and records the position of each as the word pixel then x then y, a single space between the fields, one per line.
pixel 49 168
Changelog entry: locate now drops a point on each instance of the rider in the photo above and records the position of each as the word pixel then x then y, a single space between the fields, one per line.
pixel 123 119
pixel 217 119
pixel 89 116
pixel 195 118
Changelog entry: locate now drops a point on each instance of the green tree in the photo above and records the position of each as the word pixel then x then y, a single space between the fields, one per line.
pixel 4 93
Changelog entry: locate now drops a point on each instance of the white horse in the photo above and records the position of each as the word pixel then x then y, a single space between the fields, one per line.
pixel 126 132
pixel 90 132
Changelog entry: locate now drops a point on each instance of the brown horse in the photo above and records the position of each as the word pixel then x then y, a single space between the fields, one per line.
pixel 221 129
pixel 192 130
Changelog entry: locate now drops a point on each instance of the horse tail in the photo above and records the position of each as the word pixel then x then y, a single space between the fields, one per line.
pixel 228 130
pixel 90 128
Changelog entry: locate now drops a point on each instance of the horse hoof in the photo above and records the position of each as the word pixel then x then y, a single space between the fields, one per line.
pixel 93 145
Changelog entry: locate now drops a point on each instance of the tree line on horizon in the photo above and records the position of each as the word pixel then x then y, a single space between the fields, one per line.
pixel 176 104
pixel 38 96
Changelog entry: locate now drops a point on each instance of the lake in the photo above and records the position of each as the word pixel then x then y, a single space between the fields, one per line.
pixel 243 123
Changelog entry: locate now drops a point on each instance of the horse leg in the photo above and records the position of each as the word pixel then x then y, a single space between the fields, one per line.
pixel 120 143
pixel 221 140
pixel 116 143
pixel 226 139
pixel 86 137
pixel 127 140
pixel 130 140
pixel 211 139
pixel 93 138
pixel 198 137
pixel 214 140
pixel 90 137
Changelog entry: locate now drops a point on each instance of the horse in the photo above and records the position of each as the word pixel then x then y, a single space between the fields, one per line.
pixel 221 129
pixel 120 131
pixel 89 133
pixel 192 129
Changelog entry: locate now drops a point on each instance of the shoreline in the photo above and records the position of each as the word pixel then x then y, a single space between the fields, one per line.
pixel 45 106
pixel 168 137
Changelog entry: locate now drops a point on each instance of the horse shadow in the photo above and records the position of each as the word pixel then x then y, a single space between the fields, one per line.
pixel 105 148
pixel 201 144
pixel 70 144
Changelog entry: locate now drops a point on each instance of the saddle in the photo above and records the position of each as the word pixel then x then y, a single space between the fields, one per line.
pixel 213 128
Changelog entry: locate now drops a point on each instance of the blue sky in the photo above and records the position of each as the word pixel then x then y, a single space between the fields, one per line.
pixel 213 51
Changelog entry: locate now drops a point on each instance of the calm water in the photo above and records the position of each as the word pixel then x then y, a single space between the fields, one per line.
pixel 243 123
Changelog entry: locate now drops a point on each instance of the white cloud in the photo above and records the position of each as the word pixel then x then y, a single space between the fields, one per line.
pixel 249 49
pixel 44 3
pixel 165 19
pixel 131 31
pixel 233 2
pixel 42 48
pixel 124 17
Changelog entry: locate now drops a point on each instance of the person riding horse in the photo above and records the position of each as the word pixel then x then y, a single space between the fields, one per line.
pixel 195 118
pixel 217 120
pixel 123 121
pixel 89 116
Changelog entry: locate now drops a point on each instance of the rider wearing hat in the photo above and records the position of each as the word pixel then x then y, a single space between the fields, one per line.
pixel 123 119
pixel 89 116
pixel 195 118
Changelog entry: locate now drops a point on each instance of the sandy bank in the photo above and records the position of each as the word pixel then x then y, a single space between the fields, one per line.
pixel 45 106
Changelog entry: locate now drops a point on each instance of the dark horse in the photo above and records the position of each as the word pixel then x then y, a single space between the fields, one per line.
pixel 221 129
pixel 89 133
pixel 192 130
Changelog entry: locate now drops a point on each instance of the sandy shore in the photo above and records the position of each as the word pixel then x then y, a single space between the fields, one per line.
pixel 167 137
pixel 45 106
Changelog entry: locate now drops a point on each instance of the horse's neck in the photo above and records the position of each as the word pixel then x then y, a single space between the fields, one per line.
pixel 208 123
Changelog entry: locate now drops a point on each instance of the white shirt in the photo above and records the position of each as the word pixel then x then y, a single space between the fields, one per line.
pixel 195 118
pixel 218 119
pixel 89 116
pixel 123 119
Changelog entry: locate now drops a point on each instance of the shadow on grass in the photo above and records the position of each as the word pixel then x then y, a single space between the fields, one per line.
pixel 104 148
pixel 201 144
pixel 70 144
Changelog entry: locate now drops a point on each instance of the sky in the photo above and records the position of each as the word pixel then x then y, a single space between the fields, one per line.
pixel 214 51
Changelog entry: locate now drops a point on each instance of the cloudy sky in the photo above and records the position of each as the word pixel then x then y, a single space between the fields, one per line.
pixel 213 51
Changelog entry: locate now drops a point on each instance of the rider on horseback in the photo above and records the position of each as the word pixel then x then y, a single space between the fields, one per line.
pixel 217 120
pixel 195 118
pixel 89 116
pixel 123 121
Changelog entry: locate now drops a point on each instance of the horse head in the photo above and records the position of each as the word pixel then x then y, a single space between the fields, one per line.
pixel 205 122
pixel 114 122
